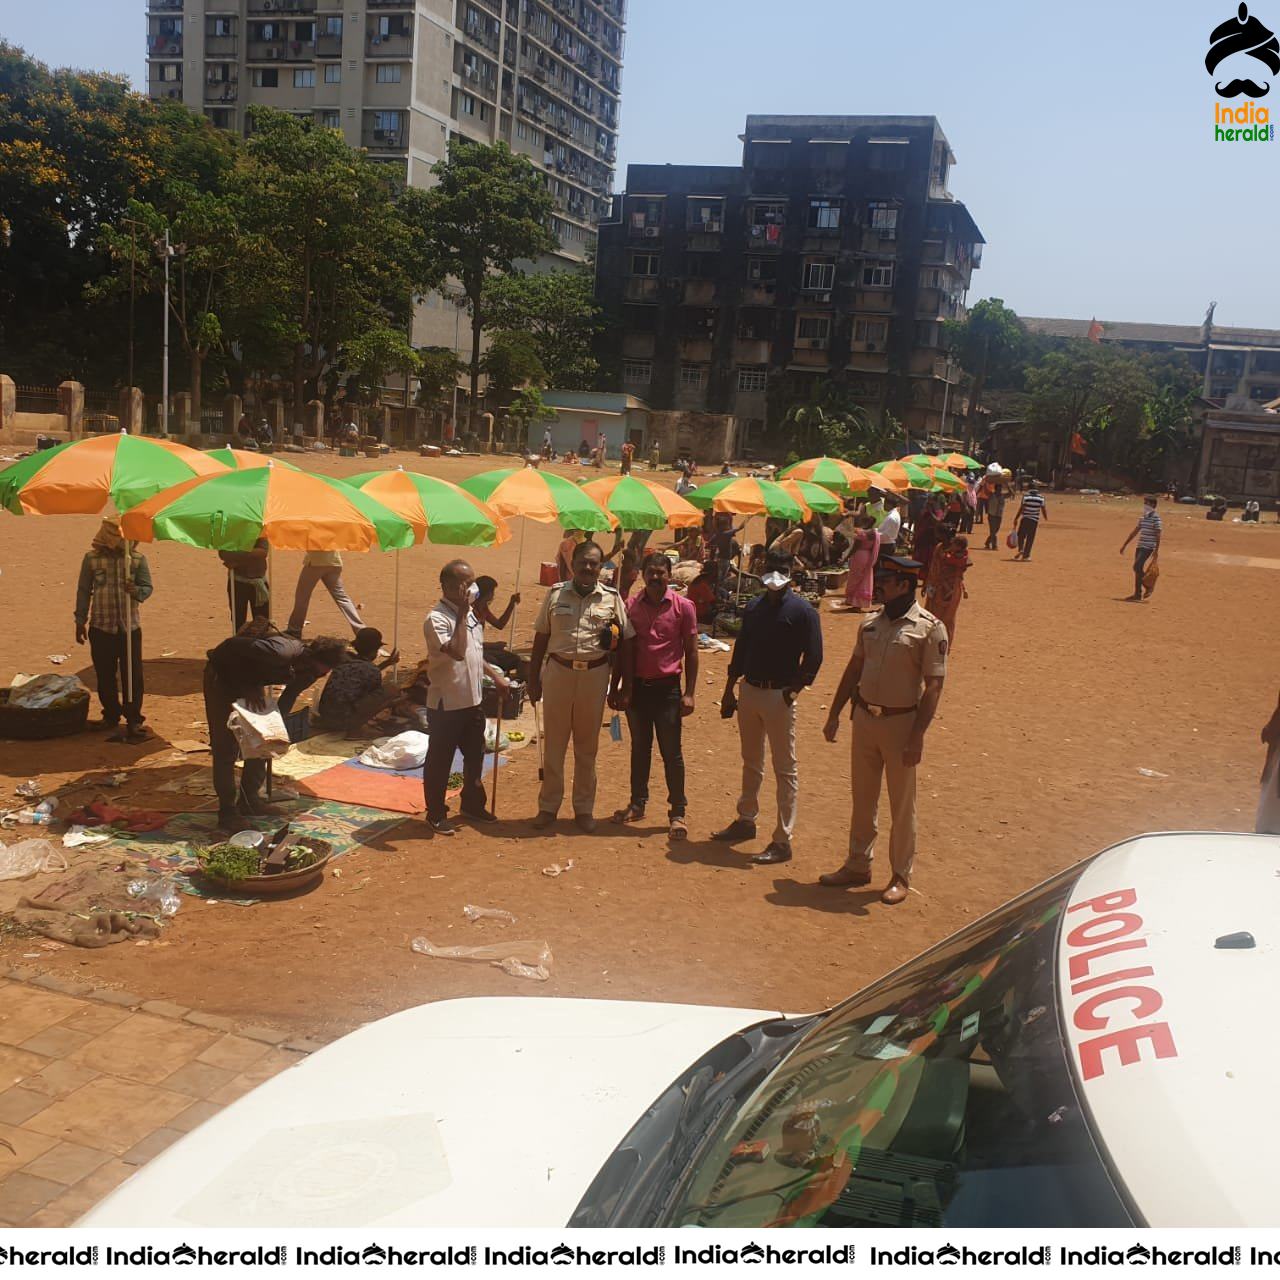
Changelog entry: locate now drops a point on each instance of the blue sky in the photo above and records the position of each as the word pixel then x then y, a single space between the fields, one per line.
pixel 1084 132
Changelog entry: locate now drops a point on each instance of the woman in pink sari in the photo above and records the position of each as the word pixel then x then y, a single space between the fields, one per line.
pixel 862 563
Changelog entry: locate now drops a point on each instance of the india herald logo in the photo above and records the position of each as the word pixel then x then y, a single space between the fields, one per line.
pixel 1243 34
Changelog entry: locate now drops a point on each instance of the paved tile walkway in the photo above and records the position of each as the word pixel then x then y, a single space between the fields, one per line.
pixel 93 1086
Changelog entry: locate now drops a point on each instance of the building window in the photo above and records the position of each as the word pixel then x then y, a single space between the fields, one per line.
pixel 330 120
pixel 1221 390
pixel 693 377
pixel 762 269
pixel 388 73
pixel 705 214
pixel 931 278
pixel 304 78
pixel 872 332
pixel 819 275
pixel 888 154
pixel 266 78
pixel 466 104
pixel 813 331
pixel 522 132
pixel 824 215
pixel 877 275
pixel 170 72
pixel 702 266
pixel 928 333
pixel 637 372
pixel 333 73
pixel 221 26
pixel 332 26
pixel 753 377
pixel 484 111
pixel 884 219
pixel 386 123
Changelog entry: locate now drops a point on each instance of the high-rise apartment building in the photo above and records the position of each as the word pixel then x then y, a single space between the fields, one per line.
pixel 398 77
pixel 835 252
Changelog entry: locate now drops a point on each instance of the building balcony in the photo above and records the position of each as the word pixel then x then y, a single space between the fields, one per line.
pixel 390 4
pixel 221 46
pixel 752 351
pixel 868 357
pixel 280 8
pixel 879 301
pixel 395 46
pixel 765 237
pixel 384 140
pixel 811 353
pixel 164 46
pixel 644 231
pixel 641 289
pixel 761 294
pixel 328 46
pixel 639 346
pixel 695 350
pixel 265 51
pixel 699 293
pixel 164 6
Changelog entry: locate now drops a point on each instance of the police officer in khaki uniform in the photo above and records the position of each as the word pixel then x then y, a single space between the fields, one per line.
pixel 894 680
pixel 582 653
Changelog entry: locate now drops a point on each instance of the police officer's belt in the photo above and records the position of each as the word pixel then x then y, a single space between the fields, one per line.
pixel 579 664
pixel 882 711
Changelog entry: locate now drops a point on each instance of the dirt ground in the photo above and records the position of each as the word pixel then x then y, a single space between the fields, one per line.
pixel 1059 693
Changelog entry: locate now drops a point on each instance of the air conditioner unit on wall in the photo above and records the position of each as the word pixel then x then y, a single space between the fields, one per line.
pixel 652 233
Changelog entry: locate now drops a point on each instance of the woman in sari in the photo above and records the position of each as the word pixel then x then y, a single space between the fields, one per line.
pixel 945 589
pixel 862 563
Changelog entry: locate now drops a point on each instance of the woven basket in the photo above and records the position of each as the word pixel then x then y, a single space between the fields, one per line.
pixel 43 722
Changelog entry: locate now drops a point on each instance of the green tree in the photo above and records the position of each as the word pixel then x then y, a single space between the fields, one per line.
pixel 341 260
pixel 438 373
pixel 990 344
pixel 557 312
pixel 488 209
pixel 526 410
pixel 829 421
pixel 371 356
pixel 510 362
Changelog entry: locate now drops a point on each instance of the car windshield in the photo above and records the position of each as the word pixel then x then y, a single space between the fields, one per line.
pixel 940 1096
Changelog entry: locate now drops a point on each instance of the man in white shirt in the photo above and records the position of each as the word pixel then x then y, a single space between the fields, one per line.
pixel 455 719
pixel 890 527
pixel 318 567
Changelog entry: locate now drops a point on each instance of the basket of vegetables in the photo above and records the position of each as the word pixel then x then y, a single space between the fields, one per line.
pixel 278 866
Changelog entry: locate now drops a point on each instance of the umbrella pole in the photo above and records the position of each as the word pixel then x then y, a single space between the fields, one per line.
pixel 231 597
pixel 395 626
pixel 511 634
pixel 127 614
pixel 497 740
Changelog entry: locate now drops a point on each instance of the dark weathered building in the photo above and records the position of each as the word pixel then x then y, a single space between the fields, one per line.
pixel 835 252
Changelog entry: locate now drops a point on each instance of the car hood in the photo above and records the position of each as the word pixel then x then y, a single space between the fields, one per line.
pixel 480 1112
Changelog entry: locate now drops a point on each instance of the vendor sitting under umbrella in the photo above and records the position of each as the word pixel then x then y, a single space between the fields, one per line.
pixel 354 692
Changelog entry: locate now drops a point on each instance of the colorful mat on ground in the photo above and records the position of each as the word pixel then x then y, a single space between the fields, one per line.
pixel 399 790
pixel 171 852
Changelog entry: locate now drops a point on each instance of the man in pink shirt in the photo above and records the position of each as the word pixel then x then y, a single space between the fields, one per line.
pixel 666 643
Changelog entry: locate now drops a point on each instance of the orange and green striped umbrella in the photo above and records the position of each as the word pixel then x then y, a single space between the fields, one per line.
pixel 292 510
pixel 813 497
pixel 439 511
pixel 247 459
pixel 942 480
pixel 835 474
pixel 905 475
pixel 746 496
pixel 539 495
pixel 81 477
pixel 641 504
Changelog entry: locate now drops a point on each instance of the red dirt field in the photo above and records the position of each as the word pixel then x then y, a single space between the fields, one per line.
pixel 1058 694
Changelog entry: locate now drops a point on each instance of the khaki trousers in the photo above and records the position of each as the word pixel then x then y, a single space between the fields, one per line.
pixel 764 715
pixel 878 744
pixel 572 707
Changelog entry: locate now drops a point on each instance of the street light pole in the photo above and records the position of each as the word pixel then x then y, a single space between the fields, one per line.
pixel 946 396
pixel 133 271
pixel 164 391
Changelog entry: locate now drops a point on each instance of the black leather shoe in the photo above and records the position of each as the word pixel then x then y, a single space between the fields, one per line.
pixel 479 815
pixel 774 853
pixel 738 829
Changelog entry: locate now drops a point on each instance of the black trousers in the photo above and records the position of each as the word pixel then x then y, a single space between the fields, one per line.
pixel 243 605
pixel 655 709
pixel 994 522
pixel 225 748
pixel 1027 536
pixel 1141 556
pixel 451 732
pixel 107 649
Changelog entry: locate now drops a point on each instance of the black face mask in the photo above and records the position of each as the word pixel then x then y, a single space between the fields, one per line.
pixel 896 608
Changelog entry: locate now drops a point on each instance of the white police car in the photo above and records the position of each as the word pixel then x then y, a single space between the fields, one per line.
pixel 1096 1053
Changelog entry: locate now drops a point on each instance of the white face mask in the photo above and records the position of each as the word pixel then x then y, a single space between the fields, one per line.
pixel 775 581
pixel 473 593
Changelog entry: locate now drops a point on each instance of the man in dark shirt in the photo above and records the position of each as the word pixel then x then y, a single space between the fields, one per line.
pixel 239 670
pixel 778 653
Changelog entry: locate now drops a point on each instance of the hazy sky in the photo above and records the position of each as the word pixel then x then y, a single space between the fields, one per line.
pixel 1083 132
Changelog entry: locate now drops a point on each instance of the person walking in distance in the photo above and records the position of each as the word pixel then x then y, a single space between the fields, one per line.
pixel 455 719
pixel 894 680
pixel 995 500
pixel 114 581
pixel 583 652
pixel 1148 532
pixel 1031 510
pixel 666 627
pixel 322 567
pixel 778 653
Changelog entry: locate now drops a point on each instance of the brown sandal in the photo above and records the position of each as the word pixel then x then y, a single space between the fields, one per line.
pixel 677 830
pixel 631 813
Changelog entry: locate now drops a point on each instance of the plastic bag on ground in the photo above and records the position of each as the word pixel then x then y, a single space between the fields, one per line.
pixel 488 913
pixel 160 891
pixel 28 857
pixel 406 750
pixel 44 691
pixel 524 959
